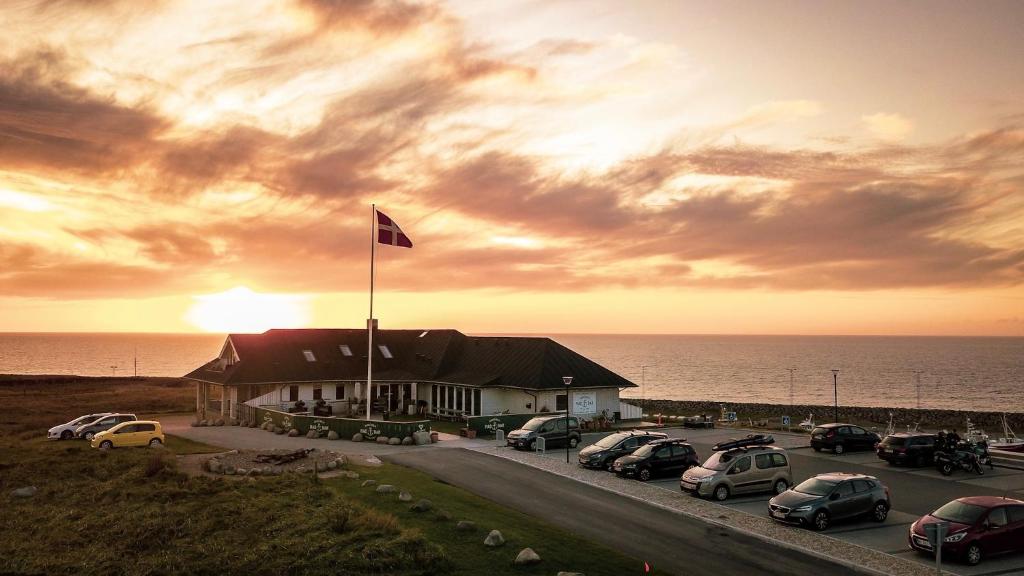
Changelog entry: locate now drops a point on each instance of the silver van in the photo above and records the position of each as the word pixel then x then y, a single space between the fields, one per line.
pixel 740 471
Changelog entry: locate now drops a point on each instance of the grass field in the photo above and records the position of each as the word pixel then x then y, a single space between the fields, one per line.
pixel 133 511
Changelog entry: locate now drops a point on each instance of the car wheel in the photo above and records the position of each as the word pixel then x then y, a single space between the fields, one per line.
pixel 820 520
pixel 721 492
pixel 946 468
pixel 531 445
pixel 973 554
pixel 838 449
pixel 106 445
pixel 66 435
pixel 573 441
pixel 89 435
pixel 155 443
pixel 780 486
pixel 644 474
pixel 880 512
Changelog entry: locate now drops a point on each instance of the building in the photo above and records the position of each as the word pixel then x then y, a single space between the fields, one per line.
pixel 435 373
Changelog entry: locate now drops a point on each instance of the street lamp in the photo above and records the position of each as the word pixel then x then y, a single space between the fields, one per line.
pixel 567 380
pixel 835 392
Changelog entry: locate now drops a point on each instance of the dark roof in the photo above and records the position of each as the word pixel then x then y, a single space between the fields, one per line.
pixel 417 355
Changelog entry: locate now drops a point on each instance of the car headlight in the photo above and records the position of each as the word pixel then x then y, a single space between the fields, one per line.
pixel 955 537
pixel 802 509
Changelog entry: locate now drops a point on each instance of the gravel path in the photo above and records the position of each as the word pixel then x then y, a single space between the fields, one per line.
pixel 866 560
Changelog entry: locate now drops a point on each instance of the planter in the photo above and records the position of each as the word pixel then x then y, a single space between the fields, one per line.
pixel 433 437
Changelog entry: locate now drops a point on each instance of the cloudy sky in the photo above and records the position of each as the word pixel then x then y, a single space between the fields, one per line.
pixel 561 166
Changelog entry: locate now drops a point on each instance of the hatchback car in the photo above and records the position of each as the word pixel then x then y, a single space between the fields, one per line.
pixel 909 448
pixel 740 471
pixel 134 433
pixel 551 428
pixel 840 438
pixel 67 431
pixel 107 422
pixel 979 526
pixel 819 501
pixel 657 458
pixel 603 453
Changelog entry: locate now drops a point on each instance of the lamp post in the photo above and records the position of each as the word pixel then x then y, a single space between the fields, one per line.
pixel 835 392
pixel 567 380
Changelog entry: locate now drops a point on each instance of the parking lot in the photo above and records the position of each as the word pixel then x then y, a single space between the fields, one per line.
pixel 915 492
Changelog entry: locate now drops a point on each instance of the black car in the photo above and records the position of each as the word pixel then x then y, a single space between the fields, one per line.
pixel 671 456
pixel 551 428
pixel 107 422
pixel 912 448
pixel 841 438
pixel 602 453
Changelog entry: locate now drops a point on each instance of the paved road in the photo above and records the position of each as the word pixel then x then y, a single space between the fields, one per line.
pixel 667 540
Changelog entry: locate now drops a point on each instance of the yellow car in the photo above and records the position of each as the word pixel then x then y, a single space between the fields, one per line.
pixel 134 433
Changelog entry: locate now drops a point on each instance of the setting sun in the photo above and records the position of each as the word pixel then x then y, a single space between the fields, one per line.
pixel 242 310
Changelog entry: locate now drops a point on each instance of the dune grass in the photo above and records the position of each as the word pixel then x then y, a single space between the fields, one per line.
pixel 133 511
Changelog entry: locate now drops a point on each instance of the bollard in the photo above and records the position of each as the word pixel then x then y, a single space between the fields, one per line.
pixel 540 446
pixel 499 437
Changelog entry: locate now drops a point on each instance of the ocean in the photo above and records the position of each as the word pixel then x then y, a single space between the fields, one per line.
pixel 985 374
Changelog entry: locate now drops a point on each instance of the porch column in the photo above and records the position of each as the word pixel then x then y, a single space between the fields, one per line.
pixel 224 399
pixel 233 395
pixel 199 399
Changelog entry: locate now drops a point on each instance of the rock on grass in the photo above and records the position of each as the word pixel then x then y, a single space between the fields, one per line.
pixel 526 557
pixel 494 538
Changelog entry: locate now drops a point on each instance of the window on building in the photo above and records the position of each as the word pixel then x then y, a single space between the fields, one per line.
pixel 309 355
pixel 476 402
pixel 345 350
pixel 293 393
pixel 458 398
pixel 318 393
pixel 424 333
pixel 339 392
pixel 385 351
pixel 433 397
pixel 561 402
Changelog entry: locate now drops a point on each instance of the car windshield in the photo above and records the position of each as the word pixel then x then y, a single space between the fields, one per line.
pixel 894 441
pixel 609 441
pixel 961 512
pixel 645 450
pixel 815 487
pixel 534 424
pixel 718 461
pixel 819 431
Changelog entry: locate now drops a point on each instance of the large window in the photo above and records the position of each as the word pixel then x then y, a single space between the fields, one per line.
pixel 433 397
pixel 458 398
pixel 318 393
pixel 293 393
pixel 561 402
pixel 476 402
pixel 339 392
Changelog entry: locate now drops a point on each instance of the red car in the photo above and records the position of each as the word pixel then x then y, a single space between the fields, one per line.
pixel 979 526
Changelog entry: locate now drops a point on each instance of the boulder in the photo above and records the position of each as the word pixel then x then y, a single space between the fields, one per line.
pixel 494 538
pixel 214 465
pixel 311 433
pixel 526 557
pixel 204 422
pixel 25 492
pixel 350 474
pixel 357 437
pixel 394 441
pixel 241 471
pixel 242 424
pixel 332 435
pixel 443 515
pixel 332 464
pixel 233 422
pixel 421 437
pixel 219 422
pixel 423 505
pixel 229 470
pixel 195 421
pixel 386 489
pixel 368 483
pixel 407 441
pixel 278 430
pixel 341 460
pixel 465 526
pixel 382 439
pixel 293 433
pixel 404 497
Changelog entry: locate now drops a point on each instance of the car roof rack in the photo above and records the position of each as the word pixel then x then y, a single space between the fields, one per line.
pixel 744 443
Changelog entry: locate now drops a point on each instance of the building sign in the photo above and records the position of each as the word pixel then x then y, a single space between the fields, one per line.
pixel 370 431
pixel 494 424
pixel 320 427
pixel 584 403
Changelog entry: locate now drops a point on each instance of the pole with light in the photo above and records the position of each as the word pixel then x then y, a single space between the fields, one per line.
pixel 835 392
pixel 567 380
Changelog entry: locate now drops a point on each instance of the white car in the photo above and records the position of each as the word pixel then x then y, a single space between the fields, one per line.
pixel 67 431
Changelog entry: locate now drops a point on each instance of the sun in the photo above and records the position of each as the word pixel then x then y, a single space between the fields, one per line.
pixel 240 310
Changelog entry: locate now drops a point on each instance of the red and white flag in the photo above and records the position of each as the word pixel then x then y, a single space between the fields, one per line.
pixel 389 233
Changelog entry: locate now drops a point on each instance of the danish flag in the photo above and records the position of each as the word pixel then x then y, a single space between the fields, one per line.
pixel 389 233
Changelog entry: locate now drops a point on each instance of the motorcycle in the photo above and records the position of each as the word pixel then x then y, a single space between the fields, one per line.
pixel 964 457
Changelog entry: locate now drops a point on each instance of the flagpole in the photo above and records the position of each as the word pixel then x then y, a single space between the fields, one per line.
pixel 369 323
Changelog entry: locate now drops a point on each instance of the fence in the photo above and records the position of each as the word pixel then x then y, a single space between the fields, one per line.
pixel 629 412
pixel 494 422
pixel 344 427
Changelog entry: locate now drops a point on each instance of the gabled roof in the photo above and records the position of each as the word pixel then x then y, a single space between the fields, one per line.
pixel 533 363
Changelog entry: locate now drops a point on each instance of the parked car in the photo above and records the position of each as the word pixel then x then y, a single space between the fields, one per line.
pixel 911 448
pixel 699 421
pixel 604 452
pixel 107 422
pixel 840 438
pixel 132 433
pixel 825 498
pixel 979 526
pixel 657 458
pixel 551 428
pixel 67 431
pixel 740 470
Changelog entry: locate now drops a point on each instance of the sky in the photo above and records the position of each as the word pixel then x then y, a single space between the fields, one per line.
pixel 777 167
